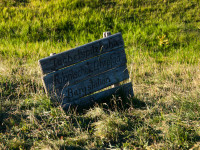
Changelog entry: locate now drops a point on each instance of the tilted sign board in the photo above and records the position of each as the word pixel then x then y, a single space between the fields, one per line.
pixel 72 76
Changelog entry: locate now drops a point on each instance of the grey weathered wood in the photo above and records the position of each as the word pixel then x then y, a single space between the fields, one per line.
pixel 126 90
pixel 81 89
pixel 85 69
pixel 106 34
pixel 71 77
pixel 67 58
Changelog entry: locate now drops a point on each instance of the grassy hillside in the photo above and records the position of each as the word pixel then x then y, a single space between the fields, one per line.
pixel 162 39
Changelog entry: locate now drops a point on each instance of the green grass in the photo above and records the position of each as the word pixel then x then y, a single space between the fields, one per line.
pixel 163 52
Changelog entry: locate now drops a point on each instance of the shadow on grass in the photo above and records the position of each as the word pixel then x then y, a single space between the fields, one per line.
pixel 2 125
pixel 9 119
pixel 71 148
pixel 118 103
pixel 137 103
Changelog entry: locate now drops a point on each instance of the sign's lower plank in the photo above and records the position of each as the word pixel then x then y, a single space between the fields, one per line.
pixel 80 71
pixel 125 91
pixel 91 85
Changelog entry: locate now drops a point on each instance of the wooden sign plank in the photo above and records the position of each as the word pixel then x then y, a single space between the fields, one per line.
pixel 67 58
pixel 93 84
pixel 75 73
pixel 124 90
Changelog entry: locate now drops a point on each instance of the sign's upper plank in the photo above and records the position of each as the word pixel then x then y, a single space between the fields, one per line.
pixel 67 58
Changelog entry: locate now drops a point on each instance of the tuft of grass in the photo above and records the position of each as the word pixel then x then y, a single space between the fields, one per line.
pixel 97 112
pixel 109 127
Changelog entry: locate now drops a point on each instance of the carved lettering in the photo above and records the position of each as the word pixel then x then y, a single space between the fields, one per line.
pixel 70 93
pixel 81 53
pixel 83 91
pixel 86 69
pixel 86 52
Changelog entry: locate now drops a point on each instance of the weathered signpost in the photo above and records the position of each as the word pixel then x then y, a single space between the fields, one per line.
pixel 71 77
